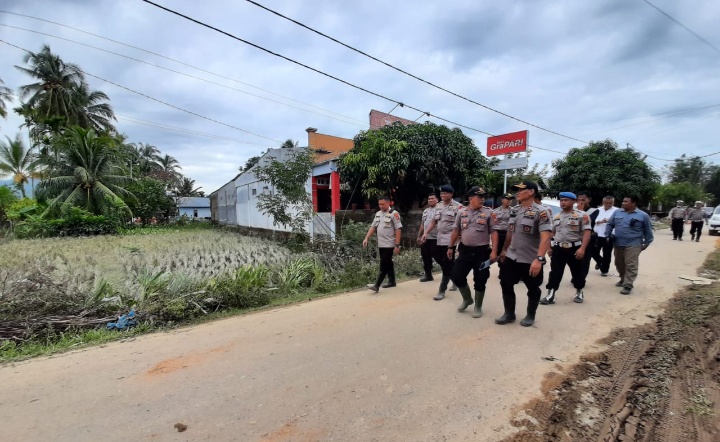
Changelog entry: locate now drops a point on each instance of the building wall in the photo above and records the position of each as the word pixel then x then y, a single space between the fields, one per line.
pixel 379 119
pixel 203 212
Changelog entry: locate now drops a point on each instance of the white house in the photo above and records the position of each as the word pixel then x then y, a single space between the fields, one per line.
pixel 194 207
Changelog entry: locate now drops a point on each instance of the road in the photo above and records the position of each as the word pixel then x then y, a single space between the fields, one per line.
pixel 357 366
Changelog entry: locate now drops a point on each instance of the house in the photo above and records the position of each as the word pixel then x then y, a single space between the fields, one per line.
pixel 194 207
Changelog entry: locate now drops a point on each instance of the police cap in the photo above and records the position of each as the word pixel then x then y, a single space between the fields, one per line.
pixel 570 195
pixel 476 191
pixel 447 188
pixel 526 185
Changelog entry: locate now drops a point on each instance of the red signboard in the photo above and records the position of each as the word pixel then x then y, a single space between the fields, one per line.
pixel 507 143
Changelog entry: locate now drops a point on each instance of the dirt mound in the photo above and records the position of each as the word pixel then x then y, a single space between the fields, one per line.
pixel 658 382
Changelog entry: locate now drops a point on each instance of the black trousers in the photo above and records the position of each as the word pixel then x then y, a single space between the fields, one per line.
pixel 677 225
pixel 428 253
pixel 502 235
pixel 387 267
pixel 441 258
pixel 560 258
pixel 513 273
pixel 587 258
pixel 603 253
pixel 470 258
pixel 696 229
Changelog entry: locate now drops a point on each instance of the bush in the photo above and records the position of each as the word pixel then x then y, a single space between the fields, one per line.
pixel 245 288
pixel 76 222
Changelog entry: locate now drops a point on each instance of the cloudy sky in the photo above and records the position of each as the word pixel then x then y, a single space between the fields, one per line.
pixel 589 70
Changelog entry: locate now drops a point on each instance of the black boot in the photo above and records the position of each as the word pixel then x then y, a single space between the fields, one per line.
pixel 426 277
pixel 391 280
pixel 531 309
pixel 479 296
pixel 443 286
pixel 467 298
pixel 549 299
pixel 509 304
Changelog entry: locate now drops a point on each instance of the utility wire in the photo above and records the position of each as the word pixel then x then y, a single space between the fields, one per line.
pixel 347 83
pixel 180 73
pixel 407 73
pixel 715 48
pixel 157 100
pixel 179 62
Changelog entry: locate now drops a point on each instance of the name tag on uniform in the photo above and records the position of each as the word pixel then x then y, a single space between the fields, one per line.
pixel 527 229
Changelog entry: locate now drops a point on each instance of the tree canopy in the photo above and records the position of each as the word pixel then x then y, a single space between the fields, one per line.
pixel 408 162
pixel 601 169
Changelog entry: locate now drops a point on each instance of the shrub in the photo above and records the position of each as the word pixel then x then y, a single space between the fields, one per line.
pixel 245 288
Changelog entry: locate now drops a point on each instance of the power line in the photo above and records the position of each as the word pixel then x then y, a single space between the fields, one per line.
pixel 347 83
pixel 157 100
pixel 405 72
pixel 181 73
pixel 683 26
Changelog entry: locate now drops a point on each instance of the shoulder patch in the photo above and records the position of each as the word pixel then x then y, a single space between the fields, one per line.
pixel 397 215
pixel 544 215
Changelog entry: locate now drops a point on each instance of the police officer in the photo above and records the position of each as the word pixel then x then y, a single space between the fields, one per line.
pixel 696 216
pixel 572 231
pixel 444 222
pixel 677 219
pixel 473 225
pixel 388 226
pixel 523 254
pixel 428 246
pixel 501 221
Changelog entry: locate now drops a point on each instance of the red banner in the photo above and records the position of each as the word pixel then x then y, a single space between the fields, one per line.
pixel 507 143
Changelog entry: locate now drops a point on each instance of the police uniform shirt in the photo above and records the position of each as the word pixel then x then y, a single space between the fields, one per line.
pixel 569 227
pixel 386 223
pixel 696 215
pixel 445 215
pixel 501 218
pixel 474 226
pixel 677 213
pixel 427 217
pixel 526 225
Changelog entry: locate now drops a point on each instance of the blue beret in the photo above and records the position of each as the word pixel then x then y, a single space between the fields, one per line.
pixel 568 195
pixel 447 188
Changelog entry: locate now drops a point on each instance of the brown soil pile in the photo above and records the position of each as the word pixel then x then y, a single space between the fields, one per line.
pixel 658 382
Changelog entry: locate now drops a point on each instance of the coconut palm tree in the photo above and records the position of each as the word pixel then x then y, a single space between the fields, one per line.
pixel 87 177
pixel 92 110
pixel 6 95
pixel 186 187
pixel 18 162
pixel 149 158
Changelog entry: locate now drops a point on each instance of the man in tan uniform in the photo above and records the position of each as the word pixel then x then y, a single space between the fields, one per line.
pixel 695 216
pixel 572 230
pixel 445 213
pixel 523 254
pixel 388 226
pixel 677 219
pixel 428 246
pixel 473 225
pixel 501 222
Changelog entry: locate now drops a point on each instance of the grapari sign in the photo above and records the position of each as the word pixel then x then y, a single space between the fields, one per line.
pixel 507 143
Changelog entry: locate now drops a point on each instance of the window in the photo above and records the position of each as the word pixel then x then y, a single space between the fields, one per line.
pixel 195 213
pixel 254 192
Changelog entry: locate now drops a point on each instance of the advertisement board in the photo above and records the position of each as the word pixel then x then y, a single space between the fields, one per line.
pixel 507 143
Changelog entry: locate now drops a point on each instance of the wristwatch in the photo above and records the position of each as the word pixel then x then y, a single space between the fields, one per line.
pixel 541 259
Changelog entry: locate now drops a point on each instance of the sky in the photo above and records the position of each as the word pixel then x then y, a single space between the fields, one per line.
pixel 588 70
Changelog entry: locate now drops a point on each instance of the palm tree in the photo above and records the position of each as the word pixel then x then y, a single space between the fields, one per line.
pixel 149 158
pixel 289 144
pixel 52 93
pixel 18 162
pixel 87 176
pixel 91 109
pixel 186 187
pixel 6 95
pixel 169 165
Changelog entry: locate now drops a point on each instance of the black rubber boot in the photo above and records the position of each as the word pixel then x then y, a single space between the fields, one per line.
pixel 467 298
pixel 426 277
pixel 509 315
pixel 479 296
pixel 531 310
pixel 443 286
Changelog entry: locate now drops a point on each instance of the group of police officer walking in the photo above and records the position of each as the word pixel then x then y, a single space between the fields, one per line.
pixel 518 238
pixel 679 215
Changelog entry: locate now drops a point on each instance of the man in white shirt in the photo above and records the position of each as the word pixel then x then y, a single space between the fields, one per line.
pixel 604 246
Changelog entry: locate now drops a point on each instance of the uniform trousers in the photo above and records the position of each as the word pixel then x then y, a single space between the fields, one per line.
pixel 502 234
pixel 387 267
pixel 627 261
pixel 677 225
pixel 441 258
pixel 427 252
pixel 513 273
pixel 560 258
pixel 470 258
pixel 603 253
pixel 587 258
pixel 696 229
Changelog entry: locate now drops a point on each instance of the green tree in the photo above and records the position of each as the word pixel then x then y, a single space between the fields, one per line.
pixel 289 144
pixel 287 201
pixel 250 163
pixel 7 198
pixel 601 168
pixel 6 95
pixel 17 162
pixel 150 199
pixel 85 176
pixel 407 162
pixel 693 170
pixel 92 110
pixel 669 193
pixel 712 186
pixel 186 187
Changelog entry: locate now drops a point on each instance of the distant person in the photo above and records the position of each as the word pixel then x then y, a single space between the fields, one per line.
pixel 474 228
pixel 571 231
pixel 523 255
pixel 584 203
pixel 604 245
pixel 633 234
pixel 443 224
pixel 695 216
pixel 501 221
pixel 388 226
pixel 428 245
pixel 677 220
